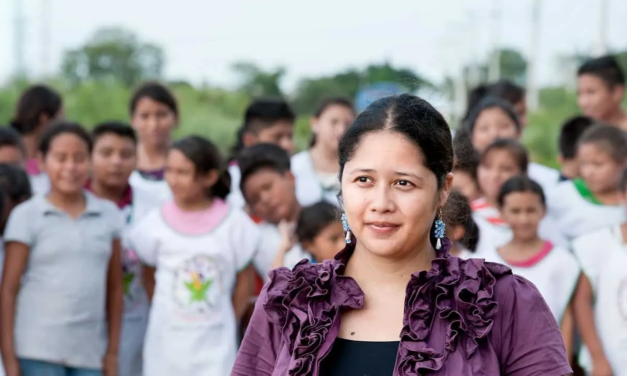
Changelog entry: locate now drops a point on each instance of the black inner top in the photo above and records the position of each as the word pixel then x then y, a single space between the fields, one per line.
pixel 357 358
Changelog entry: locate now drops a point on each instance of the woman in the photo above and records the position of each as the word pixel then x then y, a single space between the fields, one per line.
pixel 395 279
pixel 316 169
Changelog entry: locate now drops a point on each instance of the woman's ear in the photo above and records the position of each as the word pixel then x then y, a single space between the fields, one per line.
pixel 446 188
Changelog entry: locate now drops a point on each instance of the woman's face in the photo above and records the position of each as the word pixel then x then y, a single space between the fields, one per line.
pixel 491 125
pixel 331 125
pixel 495 169
pixel 390 197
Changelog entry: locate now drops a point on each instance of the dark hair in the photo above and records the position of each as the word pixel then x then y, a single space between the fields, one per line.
pixel 519 184
pixel 571 131
pixel 315 218
pixel 457 212
pixel 9 137
pixel 485 104
pixel 606 68
pixel 414 118
pixel 325 104
pixel 466 157
pixel 263 113
pixel 206 157
pixel 503 89
pixel 116 128
pixel 157 92
pixel 612 139
pixel 15 183
pixel 507 90
pixel 61 128
pixel 262 156
pixel 623 181
pixel 36 101
pixel 515 149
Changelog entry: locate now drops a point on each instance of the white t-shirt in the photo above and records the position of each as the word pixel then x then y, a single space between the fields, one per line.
pixel 494 232
pixel 312 187
pixel 574 216
pixel 603 258
pixel 555 273
pixel 236 198
pixel 545 176
pixel 192 329
pixel 271 243
pixel 39 184
pixel 157 187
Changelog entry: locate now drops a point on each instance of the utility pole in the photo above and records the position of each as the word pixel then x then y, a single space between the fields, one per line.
pixel 45 36
pixel 18 39
pixel 532 61
pixel 601 47
pixel 494 72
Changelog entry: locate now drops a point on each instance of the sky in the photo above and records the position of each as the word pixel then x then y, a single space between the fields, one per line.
pixel 202 38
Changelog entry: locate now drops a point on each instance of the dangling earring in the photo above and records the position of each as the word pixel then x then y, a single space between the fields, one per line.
pixel 347 230
pixel 439 230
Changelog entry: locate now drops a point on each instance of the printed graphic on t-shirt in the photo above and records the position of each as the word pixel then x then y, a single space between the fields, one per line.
pixel 196 287
pixel 131 267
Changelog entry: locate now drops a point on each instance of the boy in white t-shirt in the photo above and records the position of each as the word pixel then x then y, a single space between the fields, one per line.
pixel 268 186
pixel 113 160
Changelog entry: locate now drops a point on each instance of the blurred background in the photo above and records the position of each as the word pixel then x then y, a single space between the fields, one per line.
pixel 216 56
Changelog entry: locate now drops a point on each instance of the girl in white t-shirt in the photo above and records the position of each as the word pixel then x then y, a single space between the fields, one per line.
pixel 601 299
pixel 195 249
pixel 502 160
pixel 460 227
pixel 553 269
pixel 318 235
pixel 593 201
pixel 316 170
pixel 154 116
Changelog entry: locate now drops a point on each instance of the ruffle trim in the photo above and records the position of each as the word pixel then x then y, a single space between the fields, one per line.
pixel 306 301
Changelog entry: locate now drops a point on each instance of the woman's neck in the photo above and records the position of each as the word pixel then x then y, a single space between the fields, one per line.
pixel 114 194
pixel 371 271
pixel 324 160
pixel 150 158
pixel 31 143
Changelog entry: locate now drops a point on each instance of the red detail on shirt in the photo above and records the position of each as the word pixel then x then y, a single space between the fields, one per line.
pixel 124 201
pixel 535 259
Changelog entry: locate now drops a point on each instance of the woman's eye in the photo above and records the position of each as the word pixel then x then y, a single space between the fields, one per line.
pixel 362 179
pixel 403 183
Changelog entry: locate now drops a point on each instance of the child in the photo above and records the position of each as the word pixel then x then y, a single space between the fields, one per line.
pixel 113 161
pixel 554 270
pixel 601 298
pixel 37 108
pixel 465 167
pixel 502 160
pixel 198 246
pixel 61 296
pixel 12 149
pixel 594 200
pixel 492 119
pixel 319 234
pixel 460 227
pixel 267 185
pixel 265 121
pixel 515 97
pixel 601 89
pixel 154 116
pixel 570 133
pixel 316 170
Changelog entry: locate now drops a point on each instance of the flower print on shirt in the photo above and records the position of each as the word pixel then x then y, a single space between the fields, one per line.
pixel 131 268
pixel 197 287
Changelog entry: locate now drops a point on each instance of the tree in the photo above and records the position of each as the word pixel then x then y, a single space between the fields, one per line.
pixel 113 53
pixel 257 82
pixel 513 66
pixel 348 82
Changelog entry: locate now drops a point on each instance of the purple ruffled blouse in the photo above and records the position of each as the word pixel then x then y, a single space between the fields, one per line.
pixel 462 317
